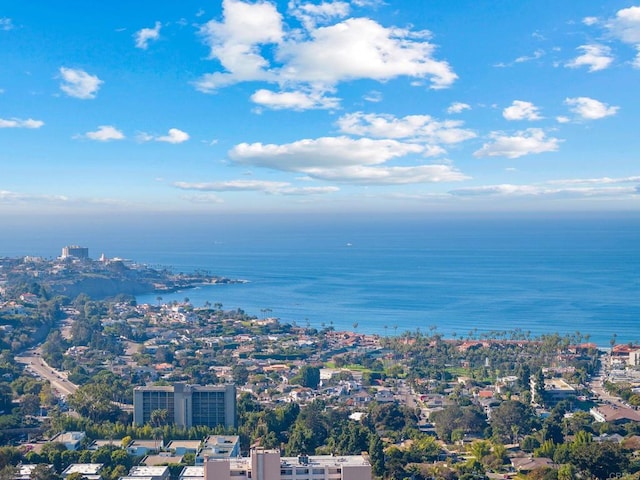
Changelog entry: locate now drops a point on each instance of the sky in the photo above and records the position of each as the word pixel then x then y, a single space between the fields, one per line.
pixel 319 106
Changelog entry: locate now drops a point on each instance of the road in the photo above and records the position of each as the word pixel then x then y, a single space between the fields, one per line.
pixel 34 363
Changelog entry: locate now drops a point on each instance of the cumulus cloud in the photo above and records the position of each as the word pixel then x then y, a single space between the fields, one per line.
pixel 316 57
pixel 596 57
pixel 418 127
pixel 145 35
pixel 174 136
pixel 79 84
pixel 105 133
pixel 273 188
pixel 529 141
pixel 294 100
pixel 590 21
pixel 18 123
pixel 343 159
pixel 362 48
pixel 6 24
pixel 589 108
pixel 520 110
pixel 236 42
pixel 311 14
pixel 626 25
pixel 457 107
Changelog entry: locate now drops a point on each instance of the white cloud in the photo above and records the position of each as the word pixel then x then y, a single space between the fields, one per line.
pixel 508 190
pixel 6 24
pixel 596 181
pixel 105 133
pixel 457 107
pixel 317 57
pixel 206 199
pixel 527 58
pixel 343 159
pixel 311 14
pixel 18 123
pixel 596 57
pixel 236 42
pixel 626 25
pixel 361 48
pixel 373 96
pixel 532 140
pixel 562 119
pixel 418 127
pixel 273 188
pixel 9 197
pixel 295 100
pixel 145 35
pixel 590 21
pixel 636 61
pixel 590 109
pixel 520 110
pixel 326 152
pixel 78 83
pixel 174 136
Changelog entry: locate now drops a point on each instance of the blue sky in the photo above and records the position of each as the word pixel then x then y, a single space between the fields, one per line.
pixel 360 105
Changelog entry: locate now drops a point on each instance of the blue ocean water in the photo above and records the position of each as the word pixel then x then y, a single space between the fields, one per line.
pixel 462 276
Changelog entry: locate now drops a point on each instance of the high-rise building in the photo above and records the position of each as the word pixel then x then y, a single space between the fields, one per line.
pixel 74 251
pixel 187 405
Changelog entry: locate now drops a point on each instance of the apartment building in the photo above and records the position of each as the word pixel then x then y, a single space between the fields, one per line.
pixel 187 405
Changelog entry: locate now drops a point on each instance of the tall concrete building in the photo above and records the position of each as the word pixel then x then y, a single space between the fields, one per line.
pixel 75 251
pixel 187 405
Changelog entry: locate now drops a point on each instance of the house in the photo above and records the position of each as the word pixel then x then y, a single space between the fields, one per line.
pixel 527 464
pixel 181 447
pixel 140 448
pixel 71 440
pixel 614 414
pixel 150 472
pixel 218 446
pixel 90 471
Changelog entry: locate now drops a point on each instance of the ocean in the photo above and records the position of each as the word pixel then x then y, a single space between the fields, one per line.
pixel 460 276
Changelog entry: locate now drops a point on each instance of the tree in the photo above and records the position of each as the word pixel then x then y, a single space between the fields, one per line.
pixel 512 412
pixel 600 460
pixel 376 453
pixel 308 377
pixel 159 417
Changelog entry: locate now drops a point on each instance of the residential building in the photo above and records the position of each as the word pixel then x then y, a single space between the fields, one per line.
pixel 218 446
pixel 71 440
pixel 155 472
pixel 268 465
pixel 187 405
pixel 90 471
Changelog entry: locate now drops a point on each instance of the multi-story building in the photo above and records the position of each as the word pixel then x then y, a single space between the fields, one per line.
pixel 268 465
pixel 75 251
pixel 218 446
pixel 187 405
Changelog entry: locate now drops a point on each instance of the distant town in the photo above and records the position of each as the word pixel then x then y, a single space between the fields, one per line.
pixel 96 386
